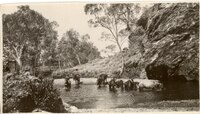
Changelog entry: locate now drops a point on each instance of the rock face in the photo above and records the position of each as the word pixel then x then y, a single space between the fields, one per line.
pixel 170 42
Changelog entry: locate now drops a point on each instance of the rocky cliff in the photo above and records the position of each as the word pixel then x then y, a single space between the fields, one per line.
pixel 170 41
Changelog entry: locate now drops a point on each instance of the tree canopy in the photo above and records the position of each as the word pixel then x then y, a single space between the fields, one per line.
pixel 75 49
pixel 26 33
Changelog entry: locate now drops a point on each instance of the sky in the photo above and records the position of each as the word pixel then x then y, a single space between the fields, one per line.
pixel 67 15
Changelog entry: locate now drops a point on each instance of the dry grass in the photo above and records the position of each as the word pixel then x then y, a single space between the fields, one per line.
pixel 107 65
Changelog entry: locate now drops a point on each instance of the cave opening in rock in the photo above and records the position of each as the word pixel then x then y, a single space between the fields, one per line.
pixel 164 74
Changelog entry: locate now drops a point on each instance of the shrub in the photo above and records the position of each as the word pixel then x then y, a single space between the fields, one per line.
pixel 45 74
pixel 138 31
pixel 24 93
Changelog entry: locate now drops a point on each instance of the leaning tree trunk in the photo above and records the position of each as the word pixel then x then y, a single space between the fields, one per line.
pixel 36 59
pixel 78 58
pixel 35 65
pixel 59 61
pixel 123 65
pixel 19 65
pixel 123 62
pixel 17 56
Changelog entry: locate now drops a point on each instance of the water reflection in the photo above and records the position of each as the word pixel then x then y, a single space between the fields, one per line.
pixel 90 96
pixel 181 91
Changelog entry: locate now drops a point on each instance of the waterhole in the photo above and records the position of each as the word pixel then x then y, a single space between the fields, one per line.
pixel 89 96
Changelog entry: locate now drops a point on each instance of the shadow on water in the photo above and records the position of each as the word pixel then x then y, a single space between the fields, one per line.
pixel 90 96
pixel 181 91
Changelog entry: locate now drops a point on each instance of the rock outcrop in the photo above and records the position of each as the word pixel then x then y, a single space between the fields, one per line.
pixel 171 42
pixel 26 93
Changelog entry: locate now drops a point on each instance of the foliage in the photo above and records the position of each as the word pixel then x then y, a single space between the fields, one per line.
pixel 109 50
pixel 74 49
pixel 26 35
pixel 138 31
pixel 117 19
pixel 135 40
pixel 24 93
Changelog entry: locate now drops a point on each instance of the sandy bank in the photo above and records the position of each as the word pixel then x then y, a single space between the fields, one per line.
pixel 162 106
pixel 129 110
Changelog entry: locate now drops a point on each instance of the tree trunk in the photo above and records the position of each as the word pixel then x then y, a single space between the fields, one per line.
pixel 78 58
pixel 17 56
pixel 19 64
pixel 59 62
pixel 123 62
pixel 36 60
pixel 35 65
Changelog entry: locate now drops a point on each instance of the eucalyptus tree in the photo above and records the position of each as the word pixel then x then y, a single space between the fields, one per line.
pixel 117 19
pixel 25 34
pixel 75 49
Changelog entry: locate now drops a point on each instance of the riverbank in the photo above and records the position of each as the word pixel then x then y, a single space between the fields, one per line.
pixel 162 106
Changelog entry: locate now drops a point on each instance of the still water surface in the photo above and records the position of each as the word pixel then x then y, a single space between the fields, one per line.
pixel 91 97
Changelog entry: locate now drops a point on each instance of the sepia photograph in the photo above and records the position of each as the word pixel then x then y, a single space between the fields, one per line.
pixel 100 57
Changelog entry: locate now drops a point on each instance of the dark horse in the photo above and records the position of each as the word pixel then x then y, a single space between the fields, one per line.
pixel 77 80
pixel 120 84
pixel 112 84
pixel 102 80
pixel 129 85
pixel 67 83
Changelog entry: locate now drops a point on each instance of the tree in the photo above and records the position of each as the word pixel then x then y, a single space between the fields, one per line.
pixel 116 19
pixel 66 54
pixel 73 43
pixel 48 55
pixel 127 13
pixel 75 49
pixel 25 34
pixel 87 50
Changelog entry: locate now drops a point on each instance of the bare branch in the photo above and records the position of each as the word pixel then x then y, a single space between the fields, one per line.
pixel 116 26
pixel 112 40
pixel 21 49
pixel 105 26
pixel 123 41
pixel 13 55
pixel 108 29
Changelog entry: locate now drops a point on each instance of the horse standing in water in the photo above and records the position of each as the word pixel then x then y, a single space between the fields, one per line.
pixel 102 80
pixel 120 84
pixel 67 83
pixel 112 84
pixel 77 80
pixel 130 85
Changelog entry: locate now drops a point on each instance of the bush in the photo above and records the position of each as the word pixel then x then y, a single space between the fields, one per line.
pixel 138 31
pixel 24 93
pixel 45 73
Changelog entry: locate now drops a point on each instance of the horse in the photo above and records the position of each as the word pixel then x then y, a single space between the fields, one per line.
pixel 120 84
pixel 150 84
pixel 134 84
pixel 112 84
pixel 102 80
pixel 128 85
pixel 76 78
pixel 67 84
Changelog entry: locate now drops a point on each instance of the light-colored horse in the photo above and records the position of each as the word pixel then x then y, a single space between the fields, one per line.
pixel 142 84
